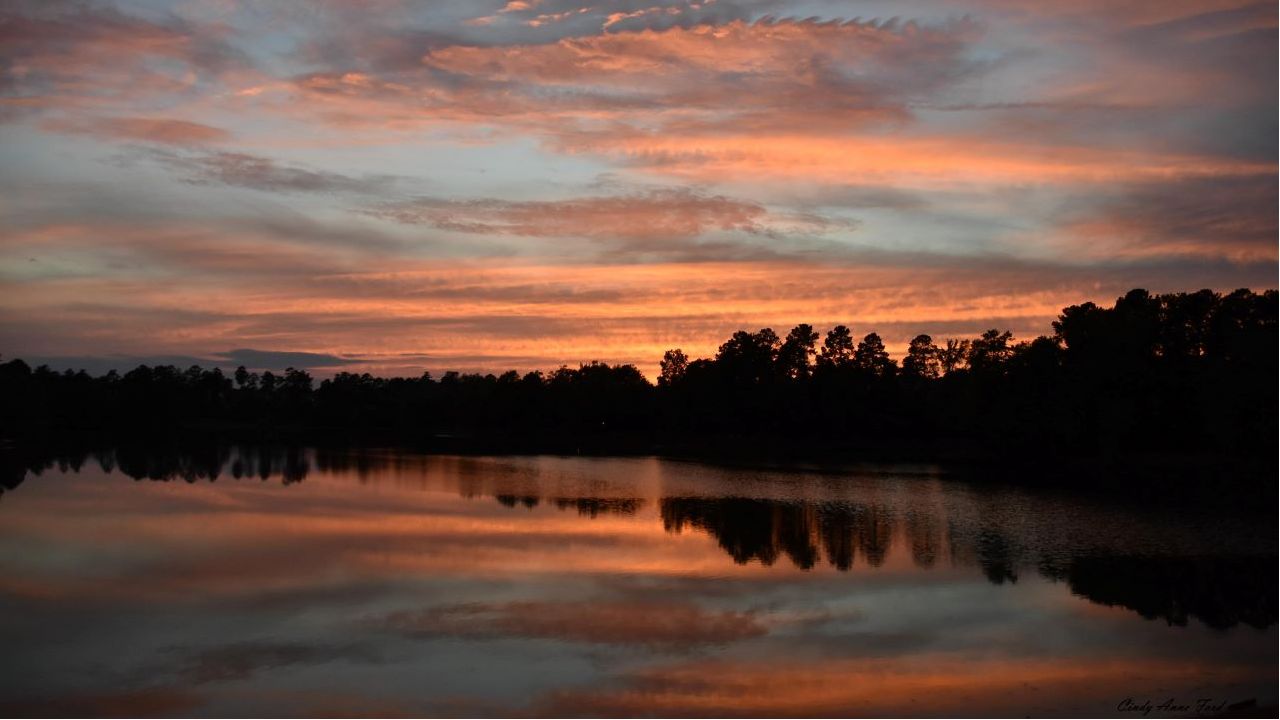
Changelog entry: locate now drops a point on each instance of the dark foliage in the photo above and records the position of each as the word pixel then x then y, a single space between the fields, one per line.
pixel 1187 374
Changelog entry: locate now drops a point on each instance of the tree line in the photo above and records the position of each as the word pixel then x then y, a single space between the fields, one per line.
pixel 1173 374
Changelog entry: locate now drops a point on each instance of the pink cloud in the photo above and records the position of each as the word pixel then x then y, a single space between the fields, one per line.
pixel 73 57
pixel 767 74
pixel 167 131
pixel 659 213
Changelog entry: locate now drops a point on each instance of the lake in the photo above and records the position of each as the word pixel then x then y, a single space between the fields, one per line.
pixel 287 581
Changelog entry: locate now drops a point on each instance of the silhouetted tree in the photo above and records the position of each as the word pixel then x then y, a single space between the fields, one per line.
pixel 837 348
pixel 674 365
pixel 749 358
pixel 991 351
pixel 795 358
pixel 953 356
pixel 246 379
pixel 871 357
pixel 921 360
pixel 1172 375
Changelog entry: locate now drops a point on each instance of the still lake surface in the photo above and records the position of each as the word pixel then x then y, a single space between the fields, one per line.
pixel 306 582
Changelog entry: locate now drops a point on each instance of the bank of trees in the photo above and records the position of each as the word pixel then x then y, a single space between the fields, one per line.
pixel 1177 373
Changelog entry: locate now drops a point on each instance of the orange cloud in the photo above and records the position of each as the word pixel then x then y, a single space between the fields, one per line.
pixel 167 131
pixel 75 58
pixel 767 74
pixel 786 101
pixel 896 161
pixel 659 221
pixel 656 60
pixel 1228 217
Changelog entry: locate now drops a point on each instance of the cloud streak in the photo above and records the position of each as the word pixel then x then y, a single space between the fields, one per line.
pixel 67 56
pixel 671 223
pixel 669 626
pixel 166 131
pixel 260 173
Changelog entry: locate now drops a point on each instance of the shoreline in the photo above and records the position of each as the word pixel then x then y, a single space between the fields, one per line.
pixel 1227 482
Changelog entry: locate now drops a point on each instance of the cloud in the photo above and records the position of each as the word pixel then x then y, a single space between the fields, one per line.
pixel 659 625
pixel 746 51
pixel 83 56
pixel 282 359
pixel 937 684
pixel 764 74
pixel 205 251
pixel 103 364
pixel 238 661
pixel 1231 217
pixel 260 173
pixel 550 20
pixel 932 163
pixel 143 702
pixel 252 359
pixel 657 223
pixel 166 131
pixel 1180 77
pixel 675 213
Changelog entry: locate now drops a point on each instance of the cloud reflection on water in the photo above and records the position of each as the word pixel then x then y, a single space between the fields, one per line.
pixel 605 586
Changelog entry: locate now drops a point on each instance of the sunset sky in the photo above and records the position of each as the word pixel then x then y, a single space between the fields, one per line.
pixel 399 187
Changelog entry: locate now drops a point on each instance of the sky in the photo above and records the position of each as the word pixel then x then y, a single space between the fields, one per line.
pixel 396 187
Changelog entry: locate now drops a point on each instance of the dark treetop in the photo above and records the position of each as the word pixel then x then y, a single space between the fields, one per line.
pixel 1186 375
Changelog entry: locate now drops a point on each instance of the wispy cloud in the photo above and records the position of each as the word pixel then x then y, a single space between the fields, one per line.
pixel 260 173
pixel 66 56
pixel 167 131
pixel 670 625
pixel 768 74
pixel 278 359
pixel 650 224
pixel 1231 217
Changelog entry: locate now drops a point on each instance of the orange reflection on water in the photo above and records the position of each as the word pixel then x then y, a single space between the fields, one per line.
pixel 422 585
pixel 928 685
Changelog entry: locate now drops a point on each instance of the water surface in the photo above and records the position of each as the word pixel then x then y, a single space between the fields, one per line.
pixel 302 582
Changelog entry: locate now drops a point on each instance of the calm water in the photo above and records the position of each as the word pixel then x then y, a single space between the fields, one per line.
pixel 316 583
